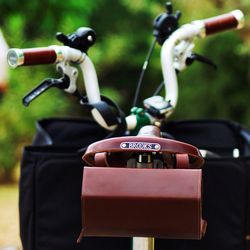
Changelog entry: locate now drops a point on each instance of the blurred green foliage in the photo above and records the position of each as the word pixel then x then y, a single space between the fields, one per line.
pixel 124 33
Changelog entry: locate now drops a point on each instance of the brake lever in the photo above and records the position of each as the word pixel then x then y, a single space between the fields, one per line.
pixel 201 59
pixel 62 83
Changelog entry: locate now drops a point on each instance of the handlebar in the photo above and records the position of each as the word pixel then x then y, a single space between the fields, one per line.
pixel 55 54
pixel 231 20
pixel 44 55
pixel 185 35
pixel 64 55
pixel 175 49
pixel 18 57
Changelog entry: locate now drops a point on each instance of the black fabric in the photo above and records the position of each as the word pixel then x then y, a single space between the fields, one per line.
pixel 68 132
pixel 226 183
pixel 248 206
pixel 50 186
pixel 224 208
pixel 221 137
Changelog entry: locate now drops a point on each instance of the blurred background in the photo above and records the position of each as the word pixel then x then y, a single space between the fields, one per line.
pixel 124 34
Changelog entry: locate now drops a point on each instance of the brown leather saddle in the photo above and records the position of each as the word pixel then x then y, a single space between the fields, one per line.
pixel 142 186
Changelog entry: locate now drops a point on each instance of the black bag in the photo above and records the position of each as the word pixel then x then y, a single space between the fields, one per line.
pixel 226 183
pixel 50 186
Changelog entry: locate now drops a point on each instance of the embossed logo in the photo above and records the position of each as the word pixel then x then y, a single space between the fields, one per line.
pixel 140 145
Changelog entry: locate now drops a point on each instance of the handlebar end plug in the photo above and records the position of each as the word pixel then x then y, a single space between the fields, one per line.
pixel 15 58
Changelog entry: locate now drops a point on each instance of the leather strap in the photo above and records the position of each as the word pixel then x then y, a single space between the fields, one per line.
pixel 182 161
pixel 142 144
pixel 101 159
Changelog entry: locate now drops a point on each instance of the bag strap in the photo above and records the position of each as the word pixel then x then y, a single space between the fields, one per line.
pixel 109 110
pixel 119 116
pixel 185 153
pixel 101 159
pixel 182 161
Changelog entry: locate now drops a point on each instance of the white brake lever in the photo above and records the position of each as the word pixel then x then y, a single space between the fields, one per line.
pixel 65 68
pixel 182 51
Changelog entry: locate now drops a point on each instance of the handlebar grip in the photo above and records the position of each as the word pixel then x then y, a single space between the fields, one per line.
pixel 34 56
pixel 231 20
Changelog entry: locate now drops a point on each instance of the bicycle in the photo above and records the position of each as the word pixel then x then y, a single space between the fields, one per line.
pixel 157 108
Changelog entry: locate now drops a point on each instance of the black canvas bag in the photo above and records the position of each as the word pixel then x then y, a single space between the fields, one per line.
pixel 50 186
pixel 226 183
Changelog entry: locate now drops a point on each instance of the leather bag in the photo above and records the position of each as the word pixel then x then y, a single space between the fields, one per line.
pixel 142 202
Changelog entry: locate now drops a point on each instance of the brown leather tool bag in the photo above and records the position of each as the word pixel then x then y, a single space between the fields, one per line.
pixel 142 186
